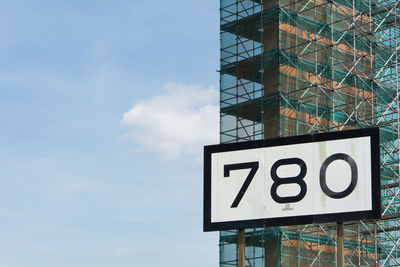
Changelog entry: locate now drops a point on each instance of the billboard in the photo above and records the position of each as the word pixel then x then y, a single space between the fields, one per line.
pixel 312 178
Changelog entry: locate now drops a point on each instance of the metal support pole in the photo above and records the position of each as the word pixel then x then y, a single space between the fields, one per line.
pixel 241 246
pixel 340 245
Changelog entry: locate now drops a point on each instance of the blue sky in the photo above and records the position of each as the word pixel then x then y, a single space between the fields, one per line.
pixel 104 108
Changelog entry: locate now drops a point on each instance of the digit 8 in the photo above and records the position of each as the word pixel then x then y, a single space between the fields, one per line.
pixel 288 180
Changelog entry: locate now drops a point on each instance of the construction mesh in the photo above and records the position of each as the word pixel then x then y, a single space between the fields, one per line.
pixel 296 67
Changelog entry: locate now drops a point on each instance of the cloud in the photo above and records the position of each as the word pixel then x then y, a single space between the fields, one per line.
pixel 179 121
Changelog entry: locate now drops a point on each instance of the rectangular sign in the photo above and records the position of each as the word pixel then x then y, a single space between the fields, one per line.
pixel 292 180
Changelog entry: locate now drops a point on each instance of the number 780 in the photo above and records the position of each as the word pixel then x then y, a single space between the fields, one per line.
pixel 298 179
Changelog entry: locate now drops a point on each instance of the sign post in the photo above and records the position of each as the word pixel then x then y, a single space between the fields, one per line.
pixel 340 245
pixel 241 248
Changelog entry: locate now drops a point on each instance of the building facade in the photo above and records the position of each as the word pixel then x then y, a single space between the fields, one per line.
pixel 291 67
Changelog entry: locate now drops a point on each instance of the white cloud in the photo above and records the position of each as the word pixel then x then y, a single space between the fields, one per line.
pixel 180 120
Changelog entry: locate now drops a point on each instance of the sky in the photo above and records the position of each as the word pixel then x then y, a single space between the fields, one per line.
pixel 105 107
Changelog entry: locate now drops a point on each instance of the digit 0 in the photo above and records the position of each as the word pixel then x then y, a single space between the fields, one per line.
pixel 288 180
pixel 354 175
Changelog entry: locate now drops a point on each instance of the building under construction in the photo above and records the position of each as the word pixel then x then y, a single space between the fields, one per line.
pixel 292 67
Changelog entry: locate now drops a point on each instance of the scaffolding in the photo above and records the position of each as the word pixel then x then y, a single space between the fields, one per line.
pixel 295 67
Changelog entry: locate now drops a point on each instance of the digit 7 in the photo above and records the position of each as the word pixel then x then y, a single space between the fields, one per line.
pixel 239 166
